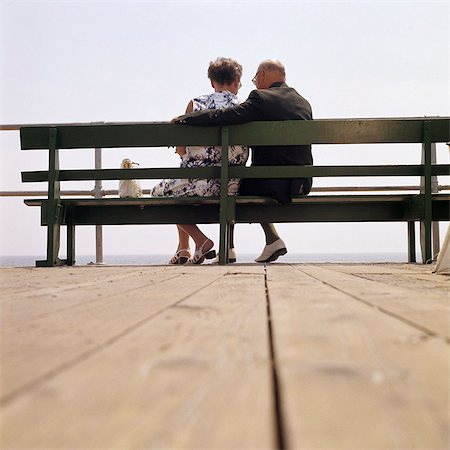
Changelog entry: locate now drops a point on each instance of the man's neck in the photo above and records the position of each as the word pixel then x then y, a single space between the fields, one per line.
pixel 277 84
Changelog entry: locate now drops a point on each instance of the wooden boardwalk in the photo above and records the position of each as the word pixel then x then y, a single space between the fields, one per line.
pixel 296 356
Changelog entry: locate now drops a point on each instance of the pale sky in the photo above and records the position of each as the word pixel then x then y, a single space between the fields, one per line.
pixel 83 61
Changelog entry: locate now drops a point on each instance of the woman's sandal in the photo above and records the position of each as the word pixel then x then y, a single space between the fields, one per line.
pixel 200 255
pixel 178 259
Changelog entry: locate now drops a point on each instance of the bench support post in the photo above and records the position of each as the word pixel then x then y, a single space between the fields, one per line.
pixel 53 205
pixel 70 245
pixel 411 242
pixel 98 194
pixel 425 190
pixel 434 190
pixel 224 228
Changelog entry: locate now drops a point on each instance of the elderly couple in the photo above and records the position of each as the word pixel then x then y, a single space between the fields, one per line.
pixel 272 99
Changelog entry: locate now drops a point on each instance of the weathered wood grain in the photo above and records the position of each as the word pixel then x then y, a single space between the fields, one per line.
pixel 196 375
pixel 179 357
pixel 405 276
pixel 427 308
pixel 28 281
pixel 63 290
pixel 351 376
pixel 93 319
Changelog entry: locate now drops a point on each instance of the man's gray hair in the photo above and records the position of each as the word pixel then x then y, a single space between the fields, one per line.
pixel 273 65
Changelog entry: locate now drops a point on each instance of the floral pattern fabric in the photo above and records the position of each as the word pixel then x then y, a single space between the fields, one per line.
pixel 205 157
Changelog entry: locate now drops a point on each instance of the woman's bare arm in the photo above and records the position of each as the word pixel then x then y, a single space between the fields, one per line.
pixel 182 150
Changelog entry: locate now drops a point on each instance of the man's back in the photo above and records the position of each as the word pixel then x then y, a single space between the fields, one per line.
pixel 281 102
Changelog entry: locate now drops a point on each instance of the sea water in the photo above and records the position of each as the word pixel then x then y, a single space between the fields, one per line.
pixel 146 260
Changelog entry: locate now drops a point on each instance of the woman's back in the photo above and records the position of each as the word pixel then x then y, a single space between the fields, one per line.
pixel 211 156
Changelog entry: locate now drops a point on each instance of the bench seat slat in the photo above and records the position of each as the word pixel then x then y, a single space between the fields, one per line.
pixel 241 200
pixel 314 208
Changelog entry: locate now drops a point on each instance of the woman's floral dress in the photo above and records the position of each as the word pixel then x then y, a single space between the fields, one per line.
pixel 205 157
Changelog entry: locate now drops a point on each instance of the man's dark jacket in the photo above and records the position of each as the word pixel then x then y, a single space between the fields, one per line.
pixel 279 102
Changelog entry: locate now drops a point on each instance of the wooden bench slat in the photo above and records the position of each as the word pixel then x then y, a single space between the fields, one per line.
pixel 241 200
pixel 238 172
pixel 124 174
pixel 336 208
pixel 120 135
pixel 318 131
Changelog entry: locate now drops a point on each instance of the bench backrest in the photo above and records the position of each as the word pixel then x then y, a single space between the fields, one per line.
pixel 343 131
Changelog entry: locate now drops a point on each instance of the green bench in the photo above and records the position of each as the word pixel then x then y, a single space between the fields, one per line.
pixel 425 207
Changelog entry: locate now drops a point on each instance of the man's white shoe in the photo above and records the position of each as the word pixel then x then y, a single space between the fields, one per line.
pixel 272 251
pixel 231 256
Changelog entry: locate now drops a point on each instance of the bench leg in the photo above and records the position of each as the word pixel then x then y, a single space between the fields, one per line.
pixel 223 248
pixel 52 211
pixel 70 245
pixel 435 237
pixel 426 188
pixel 425 241
pixel 53 232
pixel 411 242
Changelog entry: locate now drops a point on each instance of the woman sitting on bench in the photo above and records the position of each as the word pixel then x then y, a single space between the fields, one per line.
pixel 225 75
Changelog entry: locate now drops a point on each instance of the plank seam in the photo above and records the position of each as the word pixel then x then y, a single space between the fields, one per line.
pixel 423 329
pixel 12 396
pixel 280 433
pixel 366 277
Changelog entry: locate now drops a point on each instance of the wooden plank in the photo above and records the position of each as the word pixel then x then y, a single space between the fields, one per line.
pixel 429 311
pixel 418 270
pixel 90 320
pixel 197 375
pixel 417 277
pixel 240 200
pixel 120 135
pixel 289 132
pixel 392 268
pixel 49 297
pixel 350 376
pixel 241 172
pixel 124 174
pixel 336 131
pixel 27 282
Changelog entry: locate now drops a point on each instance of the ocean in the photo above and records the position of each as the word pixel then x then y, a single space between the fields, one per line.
pixel 146 260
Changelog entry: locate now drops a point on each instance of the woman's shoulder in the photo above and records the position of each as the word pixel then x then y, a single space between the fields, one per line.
pixel 201 102
pixel 201 98
pixel 215 100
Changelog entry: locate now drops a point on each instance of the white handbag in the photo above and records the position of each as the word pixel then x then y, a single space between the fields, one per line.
pixel 129 188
